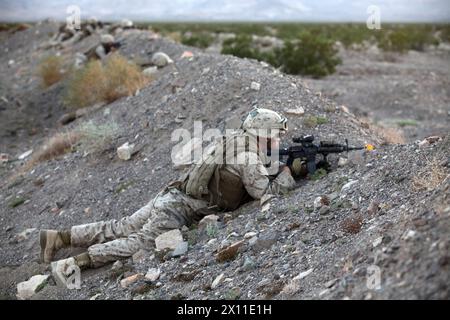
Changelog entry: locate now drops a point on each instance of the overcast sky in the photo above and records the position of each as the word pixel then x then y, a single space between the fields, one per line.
pixel 229 10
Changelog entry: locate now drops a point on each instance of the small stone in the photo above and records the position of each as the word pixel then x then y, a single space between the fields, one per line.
pixel 150 71
pixel 160 59
pixel 299 111
pixel 253 241
pixel 25 154
pixel 125 151
pixel 187 54
pixel 169 240
pixel 217 281
pixel 303 274
pixel 153 274
pixel 255 86
pixel 124 283
pixel 248 264
pixel 227 217
pixel 24 235
pixel 321 201
pixel 409 235
pixel 324 210
pixel 342 162
pixel 209 219
pixel 344 109
pixel 249 235
pixel 181 249
pixel 87 210
pixel 230 252
pixel 138 256
pixel 27 289
pixel 348 185
pixel 377 242
pixel 118 265
pixel 330 283
pixel 266 240
pixel 373 208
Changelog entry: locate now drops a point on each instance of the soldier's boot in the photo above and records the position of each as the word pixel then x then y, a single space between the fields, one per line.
pixel 51 241
pixel 66 272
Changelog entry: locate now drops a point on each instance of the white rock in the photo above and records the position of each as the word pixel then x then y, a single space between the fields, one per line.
pixel 299 111
pixel 169 240
pixel 303 274
pixel 217 281
pixel 209 219
pixel 409 235
pixel 377 242
pixel 125 151
pixel 25 234
pixel 255 86
pixel 318 203
pixel 25 154
pixel 160 59
pixel 153 274
pixel 342 162
pixel 150 71
pixel 27 289
pixel 249 235
pixel 348 185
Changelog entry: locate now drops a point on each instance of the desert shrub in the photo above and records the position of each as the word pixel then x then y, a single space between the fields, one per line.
pixel 352 224
pixel 310 55
pixel 51 70
pixel 123 78
pixel 240 46
pixel 97 137
pixel 430 177
pixel 199 40
pixel 390 135
pixel 96 82
pixel 402 39
pixel 57 145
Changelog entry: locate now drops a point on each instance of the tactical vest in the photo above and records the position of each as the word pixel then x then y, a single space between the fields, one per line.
pixel 211 181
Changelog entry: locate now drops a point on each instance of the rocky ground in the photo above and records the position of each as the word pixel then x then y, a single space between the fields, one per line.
pixel 386 211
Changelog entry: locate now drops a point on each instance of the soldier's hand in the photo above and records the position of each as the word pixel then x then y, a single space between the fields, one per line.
pixel 298 168
pixel 286 169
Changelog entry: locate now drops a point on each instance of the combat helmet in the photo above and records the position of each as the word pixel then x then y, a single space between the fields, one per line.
pixel 264 123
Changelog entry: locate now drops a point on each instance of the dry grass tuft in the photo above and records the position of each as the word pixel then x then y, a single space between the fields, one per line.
pixel 97 83
pixel 430 177
pixel 57 145
pixel 352 224
pixel 390 135
pixel 51 70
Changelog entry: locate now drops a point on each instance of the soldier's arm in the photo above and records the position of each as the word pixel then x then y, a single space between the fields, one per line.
pixel 256 177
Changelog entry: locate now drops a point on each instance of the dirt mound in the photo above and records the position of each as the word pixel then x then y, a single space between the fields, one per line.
pixel 290 238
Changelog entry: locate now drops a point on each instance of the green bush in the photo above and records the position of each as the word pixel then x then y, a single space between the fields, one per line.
pixel 200 40
pixel 310 55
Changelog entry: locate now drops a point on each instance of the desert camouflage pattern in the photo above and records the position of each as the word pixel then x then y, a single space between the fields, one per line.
pixel 171 209
pixel 117 239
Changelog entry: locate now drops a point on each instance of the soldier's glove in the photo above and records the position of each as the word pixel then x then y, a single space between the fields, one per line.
pixel 298 168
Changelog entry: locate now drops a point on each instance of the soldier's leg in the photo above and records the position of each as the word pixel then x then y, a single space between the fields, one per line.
pixel 171 210
pixel 102 231
pixel 85 235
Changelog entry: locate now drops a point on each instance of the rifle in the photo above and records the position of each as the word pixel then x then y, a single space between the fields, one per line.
pixel 308 151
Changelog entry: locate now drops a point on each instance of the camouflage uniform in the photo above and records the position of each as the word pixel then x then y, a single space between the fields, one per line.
pixel 171 209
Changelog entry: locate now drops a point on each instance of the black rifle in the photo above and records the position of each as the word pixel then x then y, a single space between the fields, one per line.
pixel 308 151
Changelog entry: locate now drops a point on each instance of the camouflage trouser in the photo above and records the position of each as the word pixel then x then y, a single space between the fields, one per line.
pixel 116 239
